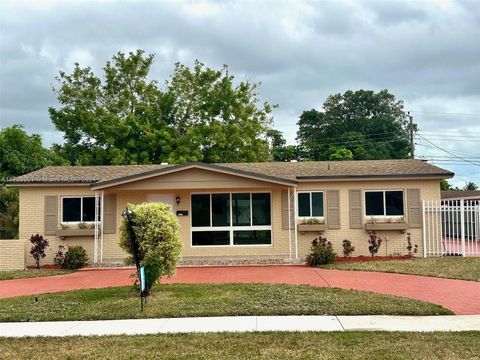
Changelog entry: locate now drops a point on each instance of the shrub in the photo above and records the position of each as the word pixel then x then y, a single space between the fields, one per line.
pixel 374 242
pixel 348 248
pixel 321 252
pixel 59 256
pixel 38 248
pixel 159 246
pixel 411 247
pixel 75 258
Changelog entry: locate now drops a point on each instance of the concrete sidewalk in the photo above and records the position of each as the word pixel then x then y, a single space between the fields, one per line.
pixel 243 324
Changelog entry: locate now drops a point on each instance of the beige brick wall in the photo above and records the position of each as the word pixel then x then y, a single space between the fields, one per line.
pixel 12 255
pixel 32 217
pixel 395 241
pixel 31 212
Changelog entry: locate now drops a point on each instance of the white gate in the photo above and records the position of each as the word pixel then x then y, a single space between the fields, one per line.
pixel 451 227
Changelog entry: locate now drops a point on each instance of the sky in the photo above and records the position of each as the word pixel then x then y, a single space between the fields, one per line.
pixel 426 53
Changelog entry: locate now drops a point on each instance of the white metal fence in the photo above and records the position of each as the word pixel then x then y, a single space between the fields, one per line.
pixel 451 227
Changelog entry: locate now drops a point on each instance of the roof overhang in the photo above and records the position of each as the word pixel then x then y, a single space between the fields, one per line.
pixel 45 183
pixel 176 168
pixel 374 177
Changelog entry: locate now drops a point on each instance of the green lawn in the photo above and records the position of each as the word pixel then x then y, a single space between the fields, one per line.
pixel 312 345
pixel 30 273
pixel 184 300
pixel 445 267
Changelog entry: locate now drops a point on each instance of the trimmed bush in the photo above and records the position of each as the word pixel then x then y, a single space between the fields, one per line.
pixel 321 252
pixel 348 248
pixel 157 232
pixel 59 256
pixel 75 258
pixel 374 243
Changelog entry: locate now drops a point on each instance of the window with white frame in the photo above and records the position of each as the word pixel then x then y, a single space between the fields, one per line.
pixel 78 209
pixel 310 204
pixel 224 219
pixel 384 203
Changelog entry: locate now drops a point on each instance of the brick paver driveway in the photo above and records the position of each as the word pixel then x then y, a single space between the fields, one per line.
pixel 462 297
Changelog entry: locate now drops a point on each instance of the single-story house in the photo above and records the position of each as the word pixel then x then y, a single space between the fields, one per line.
pixel 233 212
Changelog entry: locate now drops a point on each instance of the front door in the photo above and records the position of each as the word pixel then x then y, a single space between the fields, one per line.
pixel 163 198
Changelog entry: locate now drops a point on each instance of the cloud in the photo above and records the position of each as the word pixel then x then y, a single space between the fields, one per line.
pixel 426 53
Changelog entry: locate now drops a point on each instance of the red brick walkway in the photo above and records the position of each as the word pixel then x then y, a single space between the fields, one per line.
pixel 462 297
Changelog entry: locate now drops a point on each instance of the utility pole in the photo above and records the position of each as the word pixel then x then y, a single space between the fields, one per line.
pixel 412 144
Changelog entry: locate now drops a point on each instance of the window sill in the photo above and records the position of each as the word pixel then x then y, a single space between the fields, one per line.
pixel 387 226
pixel 62 234
pixel 311 227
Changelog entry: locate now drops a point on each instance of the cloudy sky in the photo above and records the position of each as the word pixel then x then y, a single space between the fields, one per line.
pixel 426 53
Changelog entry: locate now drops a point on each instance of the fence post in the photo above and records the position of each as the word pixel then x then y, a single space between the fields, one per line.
pixel 424 231
pixel 462 224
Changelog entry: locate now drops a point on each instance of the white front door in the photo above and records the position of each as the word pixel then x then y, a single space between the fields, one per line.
pixel 163 198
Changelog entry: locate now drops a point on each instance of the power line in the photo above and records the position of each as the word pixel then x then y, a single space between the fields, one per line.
pixel 446 113
pixel 448 152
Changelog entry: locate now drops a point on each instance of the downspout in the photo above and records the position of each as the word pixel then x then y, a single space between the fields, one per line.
pixel 95 238
pixel 289 226
pixel 101 228
pixel 295 212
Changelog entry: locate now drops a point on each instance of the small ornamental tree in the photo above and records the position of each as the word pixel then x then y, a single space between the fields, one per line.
pixel 38 248
pixel 374 242
pixel 157 234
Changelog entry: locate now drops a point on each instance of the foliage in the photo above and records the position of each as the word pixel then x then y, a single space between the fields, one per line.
pixel 59 257
pixel 75 258
pixel 20 153
pixel 470 186
pixel 201 114
pixel 157 232
pixel 337 153
pixel 445 185
pixel 313 221
pixel 82 225
pixel 411 247
pixel 38 249
pixel 321 252
pixel 374 242
pixel 8 213
pixel 348 248
pixel 280 151
pixel 368 125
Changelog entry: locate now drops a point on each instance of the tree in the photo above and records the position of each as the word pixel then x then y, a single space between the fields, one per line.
pixel 20 153
pixel 280 151
pixel 125 118
pixel 445 185
pixel 157 244
pixel 370 125
pixel 470 186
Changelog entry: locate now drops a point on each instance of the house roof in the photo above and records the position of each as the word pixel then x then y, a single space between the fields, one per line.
pixel 461 194
pixel 284 172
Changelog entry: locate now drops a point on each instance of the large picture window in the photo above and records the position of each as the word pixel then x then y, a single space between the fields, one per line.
pixel 231 219
pixel 384 203
pixel 78 209
pixel 310 204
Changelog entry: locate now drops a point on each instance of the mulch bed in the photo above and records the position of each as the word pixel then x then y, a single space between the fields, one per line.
pixel 370 258
pixel 46 267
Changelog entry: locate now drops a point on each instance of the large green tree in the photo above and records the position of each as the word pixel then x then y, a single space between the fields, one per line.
pixel 356 125
pixel 122 117
pixel 20 153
